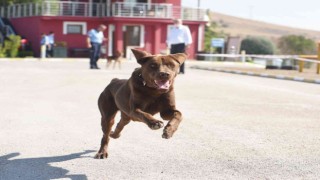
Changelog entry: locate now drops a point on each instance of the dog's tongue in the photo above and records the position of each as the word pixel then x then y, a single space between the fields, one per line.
pixel 162 84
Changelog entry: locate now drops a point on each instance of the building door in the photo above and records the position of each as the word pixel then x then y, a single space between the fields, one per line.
pixel 133 37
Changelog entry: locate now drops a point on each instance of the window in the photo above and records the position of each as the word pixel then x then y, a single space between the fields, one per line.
pixel 134 35
pixel 74 27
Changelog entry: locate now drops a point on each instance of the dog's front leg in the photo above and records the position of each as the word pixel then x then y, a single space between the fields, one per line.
pixel 138 114
pixel 174 117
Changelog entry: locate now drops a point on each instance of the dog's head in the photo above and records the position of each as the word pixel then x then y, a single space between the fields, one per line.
pixel 159 71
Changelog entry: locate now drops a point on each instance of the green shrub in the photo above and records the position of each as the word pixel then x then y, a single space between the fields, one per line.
pixel 12 45
pixel 257 45
pixel 2 51
pixel 293 44
pixel 25 54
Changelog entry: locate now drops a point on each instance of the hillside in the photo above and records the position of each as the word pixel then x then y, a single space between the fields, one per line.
pixel 235 26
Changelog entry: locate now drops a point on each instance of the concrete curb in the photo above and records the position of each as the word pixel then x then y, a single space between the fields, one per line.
pixel 281 77
pixel 45 59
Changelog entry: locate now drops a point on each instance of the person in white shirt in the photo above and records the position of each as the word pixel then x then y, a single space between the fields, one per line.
pixel 179 39
pixel 50 44
pixel 94 41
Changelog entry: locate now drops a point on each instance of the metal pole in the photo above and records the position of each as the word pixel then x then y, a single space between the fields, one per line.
pixel 198 10
pixel 318 65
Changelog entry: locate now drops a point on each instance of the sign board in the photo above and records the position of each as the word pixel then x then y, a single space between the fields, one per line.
pixel 217 42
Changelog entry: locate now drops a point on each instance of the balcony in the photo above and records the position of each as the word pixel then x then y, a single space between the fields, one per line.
pixel 165 11
pixel 117 9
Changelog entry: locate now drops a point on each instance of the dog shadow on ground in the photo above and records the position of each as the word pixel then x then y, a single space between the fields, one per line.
pixel 37 168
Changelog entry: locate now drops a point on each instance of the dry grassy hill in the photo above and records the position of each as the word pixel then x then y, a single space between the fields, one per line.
pixel 235 26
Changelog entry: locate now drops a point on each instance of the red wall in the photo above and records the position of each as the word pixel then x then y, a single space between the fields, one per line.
pixel 155 32
pixel 32 27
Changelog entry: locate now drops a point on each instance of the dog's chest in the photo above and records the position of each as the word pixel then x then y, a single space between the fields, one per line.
pixel 152 106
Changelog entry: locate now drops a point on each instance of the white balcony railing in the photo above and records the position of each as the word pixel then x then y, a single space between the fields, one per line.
pixel 56 9
pixel 120 9
pixel 153 10
pixel 117 9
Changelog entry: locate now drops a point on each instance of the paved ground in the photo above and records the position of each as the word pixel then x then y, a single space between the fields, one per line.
pixel 235 127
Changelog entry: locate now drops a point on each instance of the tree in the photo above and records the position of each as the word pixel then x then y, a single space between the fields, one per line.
pixel 257 45
pixel 10 2
pixel 211 32
pixel 293 44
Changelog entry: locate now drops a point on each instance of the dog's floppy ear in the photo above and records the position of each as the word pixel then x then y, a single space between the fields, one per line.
pixel 140 55
pixel 179 57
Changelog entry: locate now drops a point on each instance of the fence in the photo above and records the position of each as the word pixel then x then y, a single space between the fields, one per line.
pixel 118 9
pixel 301 59
pixel 56 9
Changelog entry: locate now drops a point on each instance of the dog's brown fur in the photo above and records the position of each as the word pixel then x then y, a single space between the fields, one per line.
pixel 116 58
pixel 148 91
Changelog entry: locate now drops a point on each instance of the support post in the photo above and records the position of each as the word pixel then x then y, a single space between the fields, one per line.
pixel 318 65
pixel 119 38
pixel 157 39
pixel 301 64
pixel 243 56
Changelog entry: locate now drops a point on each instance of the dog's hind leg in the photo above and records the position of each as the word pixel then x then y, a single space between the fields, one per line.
pixel 123 122
pixel 108 63
pixel 114 63
pixel 119 63
pixel 108 110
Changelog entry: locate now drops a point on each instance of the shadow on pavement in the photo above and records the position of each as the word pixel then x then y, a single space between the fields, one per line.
pixel 37 168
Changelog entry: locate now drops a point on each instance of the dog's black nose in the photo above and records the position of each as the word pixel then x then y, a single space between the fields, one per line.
pixel 164 74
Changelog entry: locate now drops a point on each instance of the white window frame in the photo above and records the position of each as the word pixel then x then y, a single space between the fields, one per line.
pixel 83 24
pixel 110 39
pixel 142 34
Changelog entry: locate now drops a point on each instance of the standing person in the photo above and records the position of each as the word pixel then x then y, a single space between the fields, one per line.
pixel 94 41
pixel 43 45
pixel 179 39
pixel 50 44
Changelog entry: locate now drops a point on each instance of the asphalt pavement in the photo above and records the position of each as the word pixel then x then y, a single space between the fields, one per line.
pixel 234 127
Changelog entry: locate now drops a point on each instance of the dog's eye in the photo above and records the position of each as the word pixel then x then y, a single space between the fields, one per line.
pixel 172 66
pixel 153 65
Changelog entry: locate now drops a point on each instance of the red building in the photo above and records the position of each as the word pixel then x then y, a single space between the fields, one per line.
pixel 131 23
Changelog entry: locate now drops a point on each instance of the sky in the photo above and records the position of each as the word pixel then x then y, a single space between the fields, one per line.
pixel 303 14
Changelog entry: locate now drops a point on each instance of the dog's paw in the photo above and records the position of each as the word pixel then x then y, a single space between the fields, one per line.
pixel 114 135
pixel 168 132
pixel 102 155
pixel 154 125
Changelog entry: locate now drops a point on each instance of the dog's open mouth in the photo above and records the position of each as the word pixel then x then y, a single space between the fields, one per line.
pixel 162 84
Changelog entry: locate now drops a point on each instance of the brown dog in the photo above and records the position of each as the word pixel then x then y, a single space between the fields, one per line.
pixel 116 58
pixel 148 91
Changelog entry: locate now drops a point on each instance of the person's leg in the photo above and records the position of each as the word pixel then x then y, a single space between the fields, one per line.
pixel 97 54
pixel 178 48
pixel 51 49
pixel 92 61
pixel 182 68
pixel 47 50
